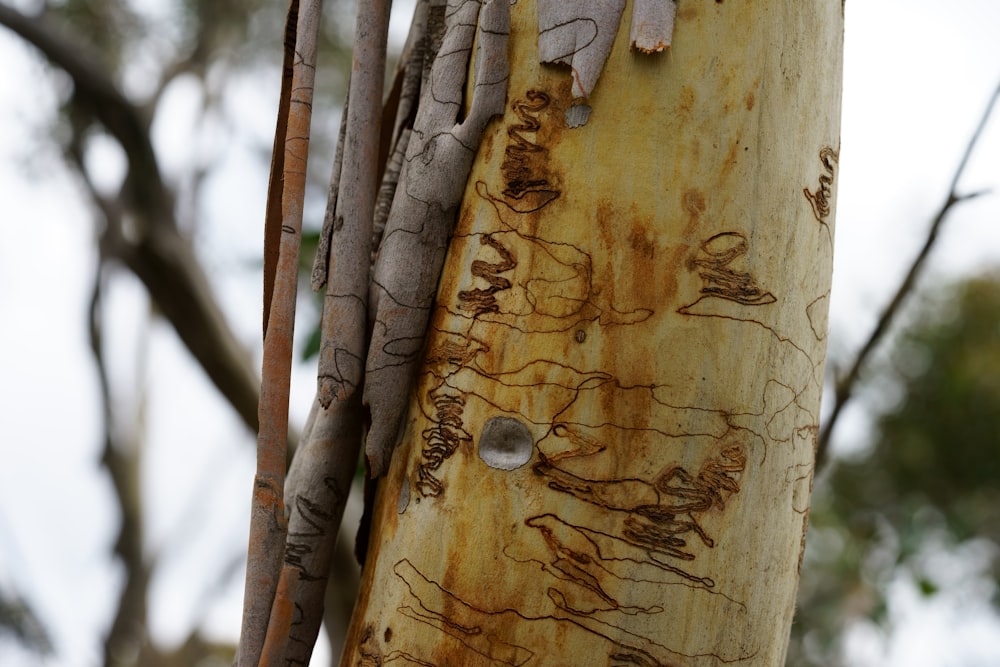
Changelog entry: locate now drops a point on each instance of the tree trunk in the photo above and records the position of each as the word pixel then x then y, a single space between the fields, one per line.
pixel 608 454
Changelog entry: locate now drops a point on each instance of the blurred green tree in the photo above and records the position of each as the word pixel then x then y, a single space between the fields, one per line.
pixel 930 479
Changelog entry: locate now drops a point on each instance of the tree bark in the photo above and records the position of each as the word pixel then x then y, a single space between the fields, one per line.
pixel 608 454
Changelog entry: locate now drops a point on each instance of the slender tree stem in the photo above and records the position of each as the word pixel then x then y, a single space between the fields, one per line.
pixel 268 524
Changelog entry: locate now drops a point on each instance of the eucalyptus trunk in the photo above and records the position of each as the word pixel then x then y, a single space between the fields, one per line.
pixel 607 454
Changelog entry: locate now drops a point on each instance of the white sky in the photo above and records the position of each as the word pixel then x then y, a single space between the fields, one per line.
pixel 917 76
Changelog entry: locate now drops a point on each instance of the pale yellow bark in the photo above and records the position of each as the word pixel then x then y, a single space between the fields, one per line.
pixel 609 453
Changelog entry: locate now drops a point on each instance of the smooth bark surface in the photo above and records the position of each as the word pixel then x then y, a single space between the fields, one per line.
pixel 268 521
pixel 608 456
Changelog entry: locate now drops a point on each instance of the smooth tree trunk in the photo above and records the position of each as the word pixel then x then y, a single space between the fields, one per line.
pixel 608 452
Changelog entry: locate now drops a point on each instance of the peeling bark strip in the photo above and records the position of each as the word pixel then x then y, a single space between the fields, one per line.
pixel 412 251
pixel 319 481
pixel 268 523
pixel 579 35
pixel 321 263
pixel 652 24
pixel 345 309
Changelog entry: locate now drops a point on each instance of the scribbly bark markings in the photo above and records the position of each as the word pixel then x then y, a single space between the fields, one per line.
pixel 527 186
pixel 486 634
pixel 645 529
pixel 818 312
pixel 555 293
pixel 439 156
pixel 721 280
pixel 726 290
pixel 558 296
pixel 820 199
pixel 441 440
pixel 660 516
pixel 557 289
pixel 479 300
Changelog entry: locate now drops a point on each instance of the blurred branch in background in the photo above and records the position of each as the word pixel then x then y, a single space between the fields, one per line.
pixel 845 384
pixel 97 43
pixel 20 620
pixel 931 473
pixel 138 226
pixel 916 513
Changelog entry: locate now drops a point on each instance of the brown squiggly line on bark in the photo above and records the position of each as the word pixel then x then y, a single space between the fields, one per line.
pixel 441 440
pixel 661 524
pixel 409 658
pixel 487 632
pixel 721 281
pixel 820 200
pixel 470 626
pixel 480 301
pixel 526 188
pixel 660 528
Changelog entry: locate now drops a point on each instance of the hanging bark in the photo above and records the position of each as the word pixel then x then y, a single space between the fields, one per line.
pixel 268 522
pixel 608 454
pixel 439 155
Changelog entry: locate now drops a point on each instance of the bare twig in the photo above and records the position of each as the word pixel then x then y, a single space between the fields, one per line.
pixel 273 213
pixel 128 630
pixel 268 523
pixel 847 383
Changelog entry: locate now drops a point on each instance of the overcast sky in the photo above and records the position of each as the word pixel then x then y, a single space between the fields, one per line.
pixel 917 77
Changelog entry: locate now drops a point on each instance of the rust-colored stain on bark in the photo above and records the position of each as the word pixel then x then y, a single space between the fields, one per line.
pixel 686 98
pixel 730 160
pixel 750 100
pixel 693 202
pixel 687 11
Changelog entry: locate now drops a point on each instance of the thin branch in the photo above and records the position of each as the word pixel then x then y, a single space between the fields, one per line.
pixel 345 310
pixel 159 256
pixel 273 213
pixel 102 98
pixel 846 385
pixel 268 523
pixel 128 630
